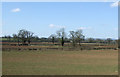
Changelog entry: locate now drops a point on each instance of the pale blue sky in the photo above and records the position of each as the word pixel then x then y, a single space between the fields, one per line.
pixel 97 19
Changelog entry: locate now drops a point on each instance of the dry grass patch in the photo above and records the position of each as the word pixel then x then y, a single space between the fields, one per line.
pixel 93 62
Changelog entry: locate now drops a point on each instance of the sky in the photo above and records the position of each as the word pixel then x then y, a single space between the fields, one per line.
pixel 96 19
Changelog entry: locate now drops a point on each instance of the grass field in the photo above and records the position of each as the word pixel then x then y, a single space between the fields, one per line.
pixel 92 62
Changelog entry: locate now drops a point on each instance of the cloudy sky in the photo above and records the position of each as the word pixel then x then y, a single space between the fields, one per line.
pixel 96 19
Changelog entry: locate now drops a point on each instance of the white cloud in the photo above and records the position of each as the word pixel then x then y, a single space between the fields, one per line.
pixel 56 26
pixel 83 28
pixel 115 4
pixel 16 10
pixel 51 25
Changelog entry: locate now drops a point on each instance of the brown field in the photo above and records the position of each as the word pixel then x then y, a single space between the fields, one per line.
pixel 92 62
pixel 43 58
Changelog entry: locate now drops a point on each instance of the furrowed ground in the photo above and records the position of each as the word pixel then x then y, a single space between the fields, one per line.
pixel 60 62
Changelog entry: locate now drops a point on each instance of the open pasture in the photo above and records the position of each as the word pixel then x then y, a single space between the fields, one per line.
pixel 86 62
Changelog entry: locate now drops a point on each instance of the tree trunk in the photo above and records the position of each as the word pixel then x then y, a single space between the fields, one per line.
pixel 62 41
pixel 29 42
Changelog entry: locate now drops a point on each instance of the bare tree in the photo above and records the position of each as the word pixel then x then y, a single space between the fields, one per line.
pixel 76 36
pixel 29 36
pixel 73 37
pixel 53 36
pixel 79 36
pixel 14 37
pixel 25 36
pixel 61 36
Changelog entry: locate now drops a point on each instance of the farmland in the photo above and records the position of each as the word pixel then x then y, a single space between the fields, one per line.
pixel 92 62
pixel 60 38
pixel 26 55
pixel 49 46
pixel 46 58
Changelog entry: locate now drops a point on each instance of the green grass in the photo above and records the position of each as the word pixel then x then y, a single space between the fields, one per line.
pixel 3 39
pixel 6 39
pixel 99 62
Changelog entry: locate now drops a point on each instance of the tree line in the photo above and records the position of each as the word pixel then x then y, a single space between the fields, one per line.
pixel 75 37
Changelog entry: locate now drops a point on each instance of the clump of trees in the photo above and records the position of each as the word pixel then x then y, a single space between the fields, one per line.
pixel 60 36
pixel 76 37
pixel 25 37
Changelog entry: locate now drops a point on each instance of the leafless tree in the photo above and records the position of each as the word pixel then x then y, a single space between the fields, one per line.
pixel 15 37
pixel 25 36
pixel 61 35
pixel 53 36
pixel 73 37
pixel 79 36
